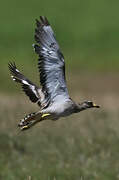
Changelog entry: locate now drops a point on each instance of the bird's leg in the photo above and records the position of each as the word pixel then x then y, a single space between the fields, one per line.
pixel 44 116
pixel 31 119
pixel 32 123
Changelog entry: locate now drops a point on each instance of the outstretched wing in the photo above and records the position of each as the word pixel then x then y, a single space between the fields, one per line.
pixel 30 89
pixel 51 61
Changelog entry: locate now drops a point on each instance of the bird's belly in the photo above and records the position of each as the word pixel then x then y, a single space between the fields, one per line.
pixel 66 113
pixel 55 116
pixel 58 110
pixel 62 112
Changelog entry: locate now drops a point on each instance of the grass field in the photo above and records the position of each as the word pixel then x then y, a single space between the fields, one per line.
pixel 83 146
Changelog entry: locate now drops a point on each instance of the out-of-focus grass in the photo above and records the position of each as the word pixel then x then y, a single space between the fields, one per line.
pixel 80 146
pixel 87 32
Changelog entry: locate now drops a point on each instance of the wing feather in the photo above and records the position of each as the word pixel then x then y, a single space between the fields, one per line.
pixel 30 89
pixel 51 61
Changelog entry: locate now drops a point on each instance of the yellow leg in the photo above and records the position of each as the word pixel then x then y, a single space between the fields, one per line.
pixel 45 115
pixel 24 127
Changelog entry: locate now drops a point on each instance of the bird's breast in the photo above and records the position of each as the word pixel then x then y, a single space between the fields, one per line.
pixel 61 109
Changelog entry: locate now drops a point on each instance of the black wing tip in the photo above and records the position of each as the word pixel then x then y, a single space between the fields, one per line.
pixel 12 64
pixel 42 22
pixel 12 67
pixel 13 70
pixel 36 48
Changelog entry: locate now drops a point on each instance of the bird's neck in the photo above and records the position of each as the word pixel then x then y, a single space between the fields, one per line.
pixel 81 107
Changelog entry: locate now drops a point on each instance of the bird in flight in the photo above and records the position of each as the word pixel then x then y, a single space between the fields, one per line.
pixel 53 97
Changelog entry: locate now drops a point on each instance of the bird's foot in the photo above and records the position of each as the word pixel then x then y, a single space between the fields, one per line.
pixel 29 125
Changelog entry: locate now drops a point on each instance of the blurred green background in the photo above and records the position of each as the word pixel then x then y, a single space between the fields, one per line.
pixel 84 146
pixel 87 32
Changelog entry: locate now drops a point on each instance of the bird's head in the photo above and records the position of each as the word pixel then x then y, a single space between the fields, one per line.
pixel 90 104
pixel 87 104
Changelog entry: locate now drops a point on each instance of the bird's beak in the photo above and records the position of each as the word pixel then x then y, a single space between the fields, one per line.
pixel 95 105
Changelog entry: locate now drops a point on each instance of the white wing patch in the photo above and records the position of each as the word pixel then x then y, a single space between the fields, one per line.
pixel 30 89
pixel 25 82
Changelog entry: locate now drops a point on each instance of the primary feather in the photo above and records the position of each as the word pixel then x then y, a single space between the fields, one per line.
pixel 30 89
pixel 51 62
